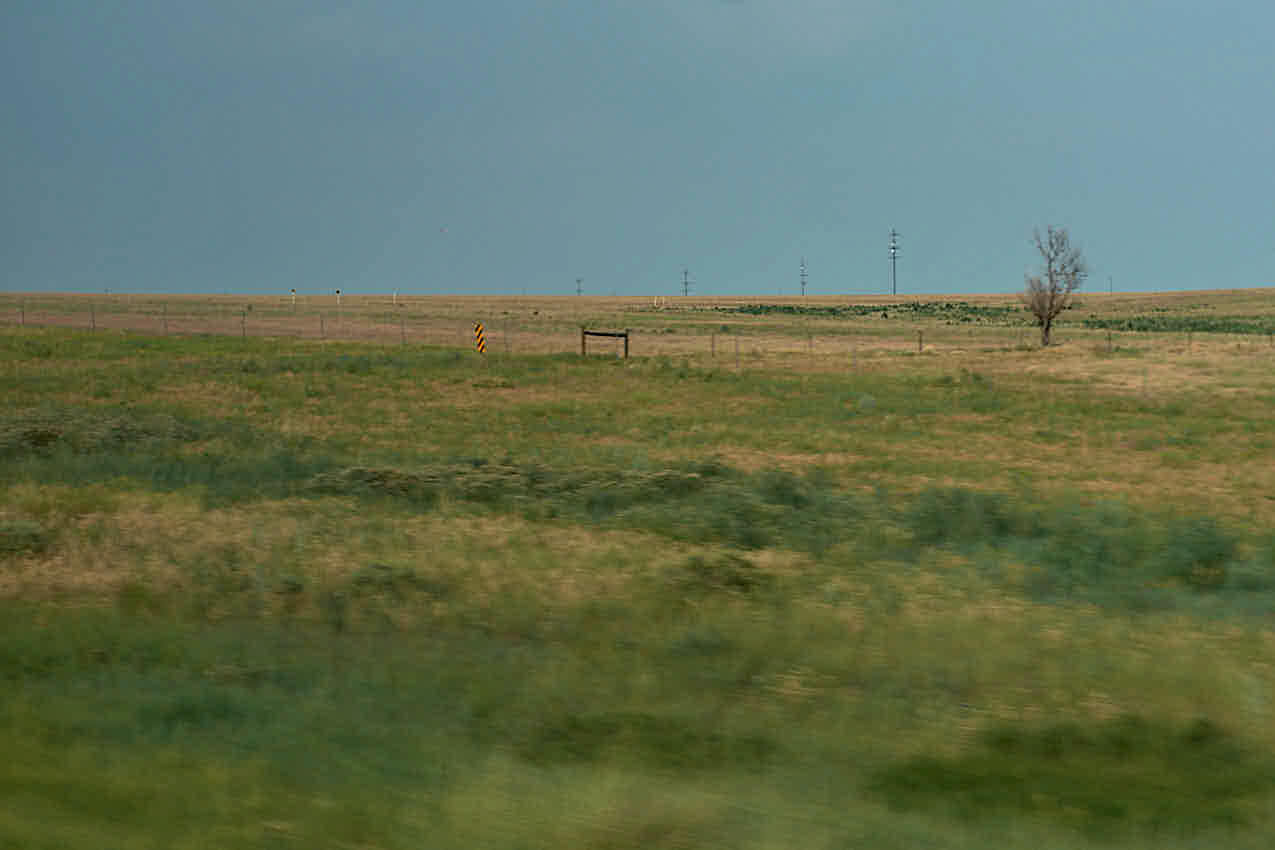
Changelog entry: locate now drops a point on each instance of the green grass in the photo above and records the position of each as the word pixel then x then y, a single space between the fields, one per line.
pixel 1170 323
pixel 298 594
pixel 1118 776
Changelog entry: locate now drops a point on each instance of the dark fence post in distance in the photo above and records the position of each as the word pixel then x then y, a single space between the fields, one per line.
pixel 322 331
pixel 920 343
pixel 713 347
pixel 582 340
pixel 243 323
pixel 626 343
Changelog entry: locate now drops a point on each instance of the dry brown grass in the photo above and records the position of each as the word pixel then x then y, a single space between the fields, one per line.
pixel 685 327
pixel 161 539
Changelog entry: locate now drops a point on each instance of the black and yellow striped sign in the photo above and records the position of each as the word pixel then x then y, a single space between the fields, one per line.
pixel 480 341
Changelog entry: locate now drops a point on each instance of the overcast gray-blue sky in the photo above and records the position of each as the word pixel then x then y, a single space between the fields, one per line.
pixel 502 146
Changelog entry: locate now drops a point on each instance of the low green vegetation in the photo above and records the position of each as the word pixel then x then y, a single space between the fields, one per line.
pixel 282 593
pixel 1114 778
pixel 952 312
pixel 1173 323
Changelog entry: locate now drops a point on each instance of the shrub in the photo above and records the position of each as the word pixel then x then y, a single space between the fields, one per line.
pixel 1197 552
pixel 1090 547
pixel 20 536
pixel 779 487
pixel 728 573
pixel 958 515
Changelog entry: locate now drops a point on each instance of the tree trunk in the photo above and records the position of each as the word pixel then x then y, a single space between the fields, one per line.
pixel 1044 333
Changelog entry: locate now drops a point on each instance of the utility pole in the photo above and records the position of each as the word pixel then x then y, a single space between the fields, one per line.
pixel 803 277
pixel 579 286
pixel 686 282
pixel 894 256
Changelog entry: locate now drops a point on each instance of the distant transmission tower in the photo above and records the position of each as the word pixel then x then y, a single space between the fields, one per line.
pixel 803 277
pixel 579 286
pixel 894 256
pixel 686 282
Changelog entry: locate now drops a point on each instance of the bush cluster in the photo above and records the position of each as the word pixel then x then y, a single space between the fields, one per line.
pixel 950 311
pixel 1103 549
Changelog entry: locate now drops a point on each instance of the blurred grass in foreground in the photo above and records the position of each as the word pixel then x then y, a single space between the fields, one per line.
pixel 338 597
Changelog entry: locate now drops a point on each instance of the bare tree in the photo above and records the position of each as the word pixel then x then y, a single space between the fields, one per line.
pixel 1049 293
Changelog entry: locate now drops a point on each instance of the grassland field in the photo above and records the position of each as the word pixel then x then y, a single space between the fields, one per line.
pixel 823 573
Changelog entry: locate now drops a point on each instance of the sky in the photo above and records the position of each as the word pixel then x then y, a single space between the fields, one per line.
pixel 511 146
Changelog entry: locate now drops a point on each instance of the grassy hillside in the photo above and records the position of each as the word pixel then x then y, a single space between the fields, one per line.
pixel 272 591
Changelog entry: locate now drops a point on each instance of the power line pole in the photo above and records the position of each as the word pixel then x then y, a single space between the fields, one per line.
pixel 803 277
pixel 579 286
pixel 686 282
pixel 894 256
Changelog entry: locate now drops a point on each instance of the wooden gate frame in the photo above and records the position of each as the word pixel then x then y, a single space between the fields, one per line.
pixel 585 334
